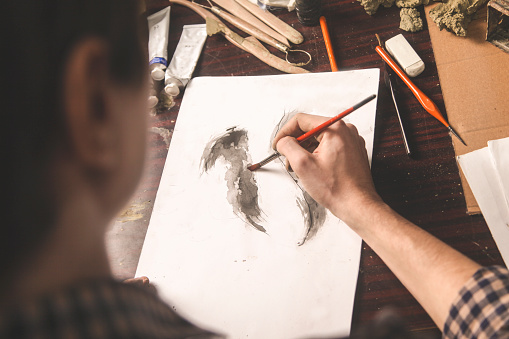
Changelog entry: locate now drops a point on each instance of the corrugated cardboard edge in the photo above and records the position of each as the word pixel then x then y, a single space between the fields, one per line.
pixel 474 80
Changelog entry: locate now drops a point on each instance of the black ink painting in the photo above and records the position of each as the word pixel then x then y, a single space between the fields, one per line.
pixel 232 147
pixel 313 213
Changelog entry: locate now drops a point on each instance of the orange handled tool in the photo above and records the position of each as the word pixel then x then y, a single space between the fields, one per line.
pixel 426 102
pixel 328 45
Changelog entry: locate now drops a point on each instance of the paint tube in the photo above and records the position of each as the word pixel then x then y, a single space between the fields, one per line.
pixel 275 4
pixel 159 29
pixel 185 58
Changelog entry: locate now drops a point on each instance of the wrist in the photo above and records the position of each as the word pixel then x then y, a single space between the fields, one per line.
pixel 361 211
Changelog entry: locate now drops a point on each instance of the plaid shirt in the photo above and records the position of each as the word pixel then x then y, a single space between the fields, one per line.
pixel 101 309
pixel 481 309
pixel 111 309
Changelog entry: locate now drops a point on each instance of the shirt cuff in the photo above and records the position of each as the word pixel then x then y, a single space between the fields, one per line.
pixel 481 308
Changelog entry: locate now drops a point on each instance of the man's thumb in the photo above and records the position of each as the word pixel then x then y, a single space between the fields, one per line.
pixel 292 150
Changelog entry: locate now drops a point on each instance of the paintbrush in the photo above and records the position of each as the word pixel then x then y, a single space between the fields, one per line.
pixel 314 131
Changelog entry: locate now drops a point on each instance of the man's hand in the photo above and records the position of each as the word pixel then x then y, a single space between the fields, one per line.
pixel 336 173
pixel 143 282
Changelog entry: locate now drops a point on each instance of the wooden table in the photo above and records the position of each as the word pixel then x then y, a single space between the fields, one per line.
pixel 426 189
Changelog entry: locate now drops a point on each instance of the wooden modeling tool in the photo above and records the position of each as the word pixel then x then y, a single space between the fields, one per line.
pixel 273 21
pixel 240 12
pixel 249 44
pixel 258 34
pixel 426 102
pixel 314 131
pixel 328 45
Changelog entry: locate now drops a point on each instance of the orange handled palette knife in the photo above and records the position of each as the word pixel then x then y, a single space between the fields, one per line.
pixel 426 102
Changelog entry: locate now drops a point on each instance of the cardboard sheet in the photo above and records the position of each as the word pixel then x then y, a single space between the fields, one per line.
pixel 474 76
pixel 230 269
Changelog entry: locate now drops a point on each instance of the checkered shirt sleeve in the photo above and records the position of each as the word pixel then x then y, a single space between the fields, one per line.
pixel 481 309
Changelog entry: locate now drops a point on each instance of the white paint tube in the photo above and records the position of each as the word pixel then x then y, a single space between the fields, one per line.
pixel 159 29
pixel 185 58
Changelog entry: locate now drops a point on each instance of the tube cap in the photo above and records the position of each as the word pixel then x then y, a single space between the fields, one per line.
pixel 172 89
pixel 157 74
pixel 152 101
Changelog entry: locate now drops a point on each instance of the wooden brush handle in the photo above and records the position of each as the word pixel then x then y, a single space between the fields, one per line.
pixel 332 120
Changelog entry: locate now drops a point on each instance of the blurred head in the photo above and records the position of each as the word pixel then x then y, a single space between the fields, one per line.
pixel 74 84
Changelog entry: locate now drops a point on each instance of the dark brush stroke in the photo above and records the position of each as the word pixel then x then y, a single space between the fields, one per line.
pixel 232 147
pixel 313 213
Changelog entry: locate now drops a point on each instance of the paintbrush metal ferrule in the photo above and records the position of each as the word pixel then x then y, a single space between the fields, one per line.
pixel 264 161
pixel 456 135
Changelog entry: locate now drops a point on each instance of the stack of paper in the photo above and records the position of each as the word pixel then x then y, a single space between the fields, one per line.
pixel 487 173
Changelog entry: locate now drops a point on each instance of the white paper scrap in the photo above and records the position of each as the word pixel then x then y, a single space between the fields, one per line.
pixel 499 150
pixel 482 177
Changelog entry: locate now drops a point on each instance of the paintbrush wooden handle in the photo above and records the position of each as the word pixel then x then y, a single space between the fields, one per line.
pixel 328 45
pixel 237 10
pixel 250 29
pixel 426 102
pixel 338 117
pixel 273 21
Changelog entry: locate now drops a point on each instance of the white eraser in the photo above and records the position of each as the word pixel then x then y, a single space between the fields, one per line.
pixel 405 55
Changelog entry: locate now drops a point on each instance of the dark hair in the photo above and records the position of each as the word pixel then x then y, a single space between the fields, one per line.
pixel 37 37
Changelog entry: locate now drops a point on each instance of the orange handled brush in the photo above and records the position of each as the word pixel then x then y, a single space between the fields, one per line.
pixel 426 102
pixel 314 131
pixel 328 45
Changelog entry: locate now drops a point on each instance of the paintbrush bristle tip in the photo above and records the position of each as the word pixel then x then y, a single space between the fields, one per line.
pixel 253 167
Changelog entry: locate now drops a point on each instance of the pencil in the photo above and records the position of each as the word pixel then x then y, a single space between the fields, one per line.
pixel 314 131
pixel 328 45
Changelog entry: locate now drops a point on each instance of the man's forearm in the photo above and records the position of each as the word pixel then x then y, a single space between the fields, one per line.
pixel 431 270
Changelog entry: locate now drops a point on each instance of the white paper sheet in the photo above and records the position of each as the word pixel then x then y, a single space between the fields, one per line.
pixel 479 169
pixel 217 270
pixel 499 150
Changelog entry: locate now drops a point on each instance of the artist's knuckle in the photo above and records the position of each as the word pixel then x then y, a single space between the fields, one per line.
pixel 352 128
pixel 300 161
pixel 300 116
pixel 362 141
pixel 284 143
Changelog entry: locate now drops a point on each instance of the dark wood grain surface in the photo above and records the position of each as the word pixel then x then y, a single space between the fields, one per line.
pixel 426 188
